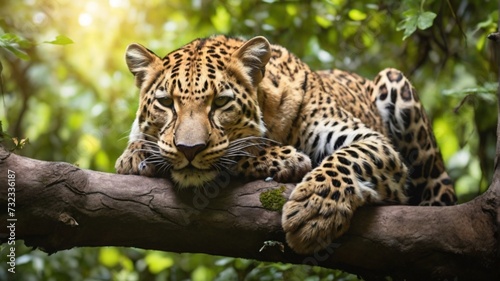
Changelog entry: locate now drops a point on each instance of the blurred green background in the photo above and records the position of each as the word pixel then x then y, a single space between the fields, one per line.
pixel 75 102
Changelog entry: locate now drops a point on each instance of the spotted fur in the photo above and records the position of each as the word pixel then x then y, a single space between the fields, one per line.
pixel 255 110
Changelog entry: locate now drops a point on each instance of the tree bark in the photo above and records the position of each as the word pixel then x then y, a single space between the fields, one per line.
pixel 60 206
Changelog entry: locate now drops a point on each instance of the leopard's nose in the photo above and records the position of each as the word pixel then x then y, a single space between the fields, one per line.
pixel 190 151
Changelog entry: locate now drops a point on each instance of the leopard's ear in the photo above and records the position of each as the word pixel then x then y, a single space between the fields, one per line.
pixel 254 55
pixel 141 62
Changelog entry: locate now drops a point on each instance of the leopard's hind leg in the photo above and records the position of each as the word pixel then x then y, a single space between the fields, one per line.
pixel 356 166
pixel 411 133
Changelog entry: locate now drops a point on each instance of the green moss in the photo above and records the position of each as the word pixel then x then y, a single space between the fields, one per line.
pixel 273 199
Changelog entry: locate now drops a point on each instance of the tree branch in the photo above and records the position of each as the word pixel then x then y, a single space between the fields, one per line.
pixel 60 206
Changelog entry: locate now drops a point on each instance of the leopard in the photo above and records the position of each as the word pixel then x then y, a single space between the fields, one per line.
pixel 253 109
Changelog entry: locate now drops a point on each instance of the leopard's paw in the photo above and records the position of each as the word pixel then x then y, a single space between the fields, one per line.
pixel 134 160
pixel 319 210
pixel 281 163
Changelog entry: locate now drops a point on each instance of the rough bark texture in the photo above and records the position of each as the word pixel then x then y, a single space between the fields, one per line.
pixel 60 206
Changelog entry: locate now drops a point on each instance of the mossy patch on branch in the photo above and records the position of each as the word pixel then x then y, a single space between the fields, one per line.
pixel 273 199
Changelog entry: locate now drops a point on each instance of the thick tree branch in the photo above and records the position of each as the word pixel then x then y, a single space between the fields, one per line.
pixel 60 206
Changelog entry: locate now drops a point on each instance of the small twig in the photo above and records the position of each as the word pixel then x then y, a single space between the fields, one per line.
pixel 458 21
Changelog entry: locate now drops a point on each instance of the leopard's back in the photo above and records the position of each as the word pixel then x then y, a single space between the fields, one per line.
pixel 289 86
pixel 355 94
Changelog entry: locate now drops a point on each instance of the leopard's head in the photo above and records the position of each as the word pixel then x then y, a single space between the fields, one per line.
pixel 198 105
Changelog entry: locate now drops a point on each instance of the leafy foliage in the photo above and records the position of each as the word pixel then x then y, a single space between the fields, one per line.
pixel 75 100
pixel 14 44
pixel 415 17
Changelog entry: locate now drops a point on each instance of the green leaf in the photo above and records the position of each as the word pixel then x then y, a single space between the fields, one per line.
pixel 322 21
pixel 109 256
pixel 17 52
pixel 15 44
pixel 60 40
pixel 291 9
pixel 414 20
pixel 157 262
pixel 410 13
pixel 425 20
pixel 357 15
pixel 409 25
pixel 202 273
pixel 221 20
pixel 13 39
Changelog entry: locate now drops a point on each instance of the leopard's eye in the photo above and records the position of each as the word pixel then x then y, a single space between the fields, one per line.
pixel 166 101
pixel 221 101
pixel 162 97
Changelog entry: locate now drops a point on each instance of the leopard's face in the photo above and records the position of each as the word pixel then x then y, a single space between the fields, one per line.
pixel 199 104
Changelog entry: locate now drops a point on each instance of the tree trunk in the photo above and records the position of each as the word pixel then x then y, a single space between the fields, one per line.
pixel 59 206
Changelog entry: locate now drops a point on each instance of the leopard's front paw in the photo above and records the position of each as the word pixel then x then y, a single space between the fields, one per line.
pixel 133 161
pixel 282 163
pixel 319 210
